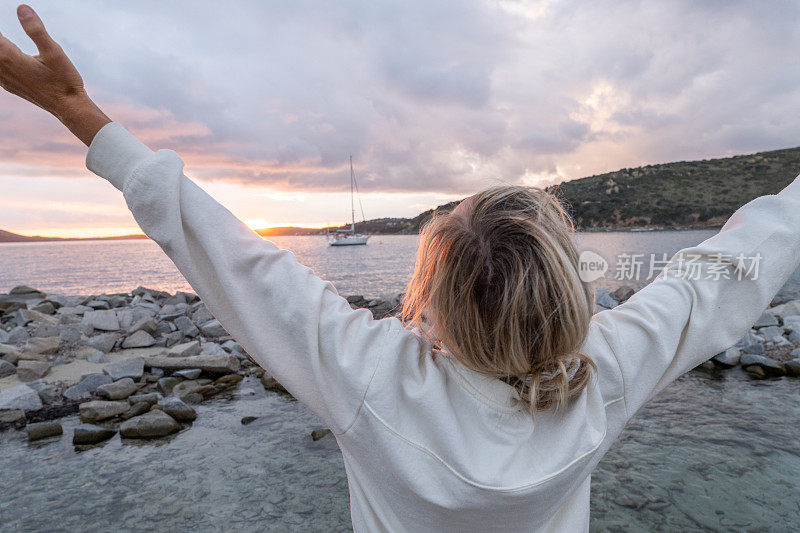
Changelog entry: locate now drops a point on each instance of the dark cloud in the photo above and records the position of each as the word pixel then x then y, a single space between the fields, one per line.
pixel 440 96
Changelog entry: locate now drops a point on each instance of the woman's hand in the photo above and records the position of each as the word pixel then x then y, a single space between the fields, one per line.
pixel 49 79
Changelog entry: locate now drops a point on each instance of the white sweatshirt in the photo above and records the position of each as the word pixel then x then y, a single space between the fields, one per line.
pixel 428 444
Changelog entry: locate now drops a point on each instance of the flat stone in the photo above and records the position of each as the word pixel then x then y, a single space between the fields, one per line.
pixel 105 320
pixel 793 367
pixel 769 366
pixel 104 342
pixel 46 330
pixel 136 409
pixel 192 397
pixel 766 319
pixel 213 364
pixel 165 385
pixel 202 315
pixel 97 410
pixel 91 434
pixel 212 348
pixel 729 357
pixel 3 335
pixel 43 430
pixel 18 334
pixel 48 392
pixel 20 397
pixel 12 416
pixel 119 390
pixel 189 373
pixel 139 339
pixel 30 370
pixel 792 323
pixel 228 380
pixel 772 333
pixel 86 386
pixel 70 334
pixel 146 324
pixel 751 343
pixel 173 338
pixel 187 349
pixel 150 398
pixel 128 368
pixel 622 293
pixel 6 368
pixel 26 290
pixel 155 423
pixel 45 307
pixel 603 297
pixel 186 326
pixel 9 353
pixel 178 410
pixel 213 328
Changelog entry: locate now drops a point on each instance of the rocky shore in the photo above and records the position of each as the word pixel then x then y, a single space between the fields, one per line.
pixel 137 363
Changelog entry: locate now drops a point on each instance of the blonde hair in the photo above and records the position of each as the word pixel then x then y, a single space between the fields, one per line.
pixel 496 283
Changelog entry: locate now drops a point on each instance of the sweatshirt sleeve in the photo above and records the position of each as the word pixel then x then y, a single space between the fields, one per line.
pixel 291 322
pixel 706 298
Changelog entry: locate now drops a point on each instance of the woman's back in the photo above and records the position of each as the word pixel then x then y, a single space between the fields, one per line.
pixel 429 444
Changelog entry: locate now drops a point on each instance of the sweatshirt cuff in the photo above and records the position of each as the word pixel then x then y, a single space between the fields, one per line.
pixel 114 154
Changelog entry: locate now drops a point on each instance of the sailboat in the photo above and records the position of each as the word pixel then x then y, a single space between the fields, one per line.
pixel 350 237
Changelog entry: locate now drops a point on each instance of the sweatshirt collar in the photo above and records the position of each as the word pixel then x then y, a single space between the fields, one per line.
pixel 487 389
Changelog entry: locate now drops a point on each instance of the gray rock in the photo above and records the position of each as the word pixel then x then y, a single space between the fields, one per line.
pixel 127 368
pixel 751 343
pixel 186 326
pixel 105 320
pixel 792 322
pixel 139 339
pixel 772 333
pixel 214 364
pixel 212 348
pixel 155 423
pixel 47 391
pixel 6 368
pixel 189 373
pixel 213 328
pixel 97 410
pixel 45 307
pixel 43 345
pixel 98 304
pixel 793 367
pixel 43 430
pixel 173 338
pixel 18 334
pixel 766 319
pixel 3 336
pixel 86 386
pixel 795 352
pixel 769 366
pixel 91 434
pixel 729 357
pixel 150 398
pixel 20 397
pixel 9 353
pixel 202 315
pixel 604 298
pixel 46 330
pixel 136 409
pixel 319 433
pixel 165 385
pixel 119 390
pixel 187 349
pixel 104 342
pixel 70 334
pixel 186 387
pixel 147 324
pixel 178 410
pixel 30 370
pixel 25 290
pixel 15 417
pixel 91 354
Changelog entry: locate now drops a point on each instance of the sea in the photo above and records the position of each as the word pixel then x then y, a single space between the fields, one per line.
pixel 714 451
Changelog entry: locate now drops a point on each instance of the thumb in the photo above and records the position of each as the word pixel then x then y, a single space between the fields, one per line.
pixel 34 27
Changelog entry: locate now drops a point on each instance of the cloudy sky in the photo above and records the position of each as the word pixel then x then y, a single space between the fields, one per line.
pixel 434 99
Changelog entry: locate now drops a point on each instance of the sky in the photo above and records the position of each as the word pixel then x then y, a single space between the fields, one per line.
pixel 435 100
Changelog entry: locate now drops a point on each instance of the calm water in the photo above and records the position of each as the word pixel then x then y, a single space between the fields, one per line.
pixel 714 451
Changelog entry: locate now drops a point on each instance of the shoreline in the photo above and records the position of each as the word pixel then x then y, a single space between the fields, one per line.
pixel 137 362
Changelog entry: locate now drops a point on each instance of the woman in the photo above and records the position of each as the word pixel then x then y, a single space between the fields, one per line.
pixel 493 412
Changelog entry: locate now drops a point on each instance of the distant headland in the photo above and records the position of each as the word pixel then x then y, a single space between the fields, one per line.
pixel 680 195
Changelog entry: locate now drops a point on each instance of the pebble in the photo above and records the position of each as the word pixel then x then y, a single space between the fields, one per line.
pixel 319 433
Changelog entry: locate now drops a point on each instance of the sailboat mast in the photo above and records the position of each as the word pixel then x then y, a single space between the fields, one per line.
pixel 352 203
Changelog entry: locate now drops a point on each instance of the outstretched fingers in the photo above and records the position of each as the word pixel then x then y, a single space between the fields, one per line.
pixel 35 29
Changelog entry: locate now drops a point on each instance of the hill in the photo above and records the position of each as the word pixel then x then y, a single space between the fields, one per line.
pixel 683 194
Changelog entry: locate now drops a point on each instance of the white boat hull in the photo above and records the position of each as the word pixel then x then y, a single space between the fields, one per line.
pixel 347 240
